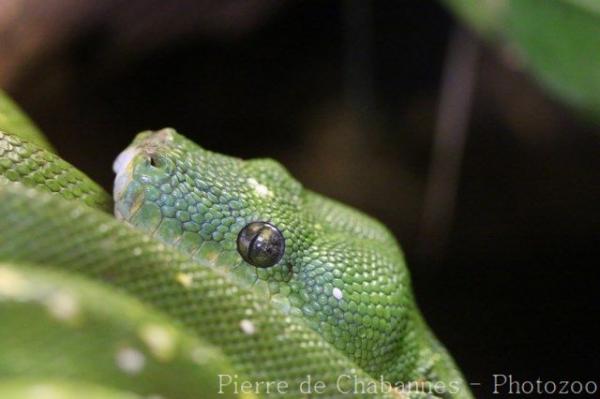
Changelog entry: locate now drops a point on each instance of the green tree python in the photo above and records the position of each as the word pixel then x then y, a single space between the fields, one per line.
pixel 216 278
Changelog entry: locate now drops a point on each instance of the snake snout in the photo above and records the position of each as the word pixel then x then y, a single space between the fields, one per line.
pixel 123 170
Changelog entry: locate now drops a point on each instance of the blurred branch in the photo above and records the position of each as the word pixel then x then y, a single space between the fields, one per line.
pixel 33 31
pixel 458 84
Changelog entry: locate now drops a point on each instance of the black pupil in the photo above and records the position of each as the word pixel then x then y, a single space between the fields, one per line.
pixel 261 244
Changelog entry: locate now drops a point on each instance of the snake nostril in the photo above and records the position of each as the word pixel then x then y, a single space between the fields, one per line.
pixel 153 160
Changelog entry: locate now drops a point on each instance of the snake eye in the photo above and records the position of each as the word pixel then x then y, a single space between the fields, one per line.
pixel 261 244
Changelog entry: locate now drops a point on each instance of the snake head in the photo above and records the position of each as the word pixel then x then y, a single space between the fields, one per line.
pixel 326 263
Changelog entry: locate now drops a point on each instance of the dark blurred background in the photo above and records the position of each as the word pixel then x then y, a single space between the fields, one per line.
pixel 491 186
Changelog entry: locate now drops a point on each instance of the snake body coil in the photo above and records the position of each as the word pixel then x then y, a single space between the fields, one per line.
pixel 216 271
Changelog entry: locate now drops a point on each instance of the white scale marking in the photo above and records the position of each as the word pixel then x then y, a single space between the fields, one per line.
pixel 130 360
pixel 247 327
pixel 337 293
pixel 259 188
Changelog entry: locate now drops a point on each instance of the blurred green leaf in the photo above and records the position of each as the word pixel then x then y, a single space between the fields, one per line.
pixel 557 40
pixel 486 16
